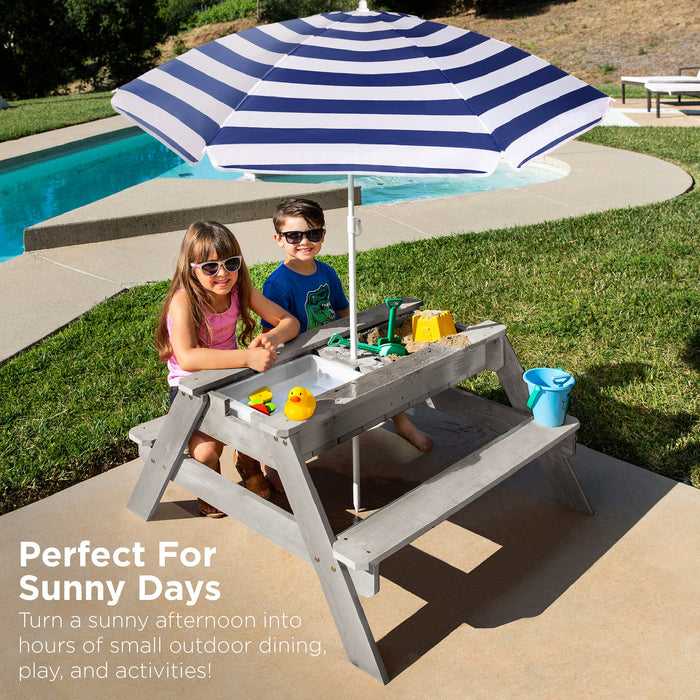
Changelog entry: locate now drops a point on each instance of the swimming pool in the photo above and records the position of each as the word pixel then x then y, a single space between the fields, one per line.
pixel 54 185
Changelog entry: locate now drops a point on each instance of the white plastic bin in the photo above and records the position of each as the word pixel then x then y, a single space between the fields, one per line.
pixel 314 373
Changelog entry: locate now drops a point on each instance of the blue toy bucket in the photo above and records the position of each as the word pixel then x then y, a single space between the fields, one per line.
pixel 549 394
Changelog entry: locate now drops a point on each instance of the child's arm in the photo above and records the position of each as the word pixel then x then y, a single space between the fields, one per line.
pixel 285 326
pixel 192 357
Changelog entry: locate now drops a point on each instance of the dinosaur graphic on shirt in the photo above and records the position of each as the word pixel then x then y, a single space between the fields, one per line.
pixel 318 307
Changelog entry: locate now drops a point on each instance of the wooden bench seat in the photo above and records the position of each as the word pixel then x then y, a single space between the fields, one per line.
pixel 367 543
pixel 146 433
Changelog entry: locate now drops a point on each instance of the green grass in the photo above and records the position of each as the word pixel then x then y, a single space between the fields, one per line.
pixel 631 91
pixel 27 117
pixel 228 11
pixel 612 297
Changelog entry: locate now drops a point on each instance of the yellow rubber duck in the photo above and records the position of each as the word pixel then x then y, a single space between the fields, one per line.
pixel 300 404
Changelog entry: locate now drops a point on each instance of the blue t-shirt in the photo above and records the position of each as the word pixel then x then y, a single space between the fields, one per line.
pixel 313 299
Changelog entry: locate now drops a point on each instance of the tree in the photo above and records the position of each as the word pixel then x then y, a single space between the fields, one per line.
pixel 38 48
pixel 176 12
pixel 119 38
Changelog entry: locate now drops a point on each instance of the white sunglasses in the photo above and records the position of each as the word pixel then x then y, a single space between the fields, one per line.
pixel 211 268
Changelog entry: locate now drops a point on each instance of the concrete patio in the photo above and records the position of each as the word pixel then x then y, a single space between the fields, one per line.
pixel 515 596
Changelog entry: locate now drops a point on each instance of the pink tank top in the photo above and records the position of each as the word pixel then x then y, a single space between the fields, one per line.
pixel 223 335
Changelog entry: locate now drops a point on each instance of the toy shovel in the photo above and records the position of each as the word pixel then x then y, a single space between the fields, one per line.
pixel 337 340
pixel 391 339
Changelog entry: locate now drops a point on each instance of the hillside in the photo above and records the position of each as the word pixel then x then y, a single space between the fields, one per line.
pixel 595 40
pixel 600 40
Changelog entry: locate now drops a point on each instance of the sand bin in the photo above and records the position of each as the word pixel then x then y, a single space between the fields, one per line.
pixel 405 332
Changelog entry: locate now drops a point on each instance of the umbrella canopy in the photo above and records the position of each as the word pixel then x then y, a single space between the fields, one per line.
pixel 360 92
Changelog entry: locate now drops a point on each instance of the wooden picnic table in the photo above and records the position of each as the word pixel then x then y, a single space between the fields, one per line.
pixel 347 563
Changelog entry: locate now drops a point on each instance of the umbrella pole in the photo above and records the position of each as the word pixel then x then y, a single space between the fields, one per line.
pixel 356 473
pixel 351 228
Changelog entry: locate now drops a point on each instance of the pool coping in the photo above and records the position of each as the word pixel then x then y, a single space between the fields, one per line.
pixel 41 155
pixel 163 204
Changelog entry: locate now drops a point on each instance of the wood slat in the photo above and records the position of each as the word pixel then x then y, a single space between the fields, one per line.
pixel 146 433
pixel 166 456
pixel 261 516
pixel 478 410
pixel 356 406
pixel 243 505
pixel 335 579
pixel 386 531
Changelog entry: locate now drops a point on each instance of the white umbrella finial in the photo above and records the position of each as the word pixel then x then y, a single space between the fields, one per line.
pixel 362 7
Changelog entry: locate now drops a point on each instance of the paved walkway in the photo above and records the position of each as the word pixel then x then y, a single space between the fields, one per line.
pixel 514 597
pixel 634 112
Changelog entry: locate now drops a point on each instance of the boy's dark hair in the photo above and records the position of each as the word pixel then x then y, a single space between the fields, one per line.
pixel 307 209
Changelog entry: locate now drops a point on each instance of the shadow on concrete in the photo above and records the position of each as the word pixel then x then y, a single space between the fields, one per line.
pixel 542 548
pixel 535 549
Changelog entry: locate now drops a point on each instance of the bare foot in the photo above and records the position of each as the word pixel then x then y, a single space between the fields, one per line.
pixel 274 478
pixel 409 432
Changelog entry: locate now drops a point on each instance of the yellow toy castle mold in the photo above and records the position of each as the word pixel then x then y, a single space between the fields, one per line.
pixel 429 326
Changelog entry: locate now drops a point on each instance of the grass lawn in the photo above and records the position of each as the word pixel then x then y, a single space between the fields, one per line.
pixel 27 117
pixel 613 298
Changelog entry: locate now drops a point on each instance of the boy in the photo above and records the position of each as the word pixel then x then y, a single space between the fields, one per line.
pixel 310 289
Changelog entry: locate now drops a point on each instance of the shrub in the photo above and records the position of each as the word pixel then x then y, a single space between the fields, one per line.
pixel 177 13
pixel 228 11
pixel 280 10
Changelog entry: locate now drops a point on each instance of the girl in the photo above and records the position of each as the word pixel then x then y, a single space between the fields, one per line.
pixel 210 293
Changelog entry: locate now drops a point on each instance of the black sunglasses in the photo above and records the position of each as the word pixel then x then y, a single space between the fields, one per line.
pixel 211 268
pixel 313 235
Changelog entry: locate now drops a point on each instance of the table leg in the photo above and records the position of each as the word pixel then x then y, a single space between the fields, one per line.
pixel 336 583
pixel 511 377
pixel 166 455
pixel 555 463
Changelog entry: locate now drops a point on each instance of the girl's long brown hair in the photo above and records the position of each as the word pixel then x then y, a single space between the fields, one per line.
pixel 203 241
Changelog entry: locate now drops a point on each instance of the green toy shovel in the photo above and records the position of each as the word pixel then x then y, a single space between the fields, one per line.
pixel 337 340
pixel 397 347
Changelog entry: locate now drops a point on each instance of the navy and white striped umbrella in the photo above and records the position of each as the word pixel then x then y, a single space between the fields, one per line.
pixel 360 92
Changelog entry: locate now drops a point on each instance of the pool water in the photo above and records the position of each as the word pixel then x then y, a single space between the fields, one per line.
pixel 47 188
pixel 55 185
pixel 382 189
